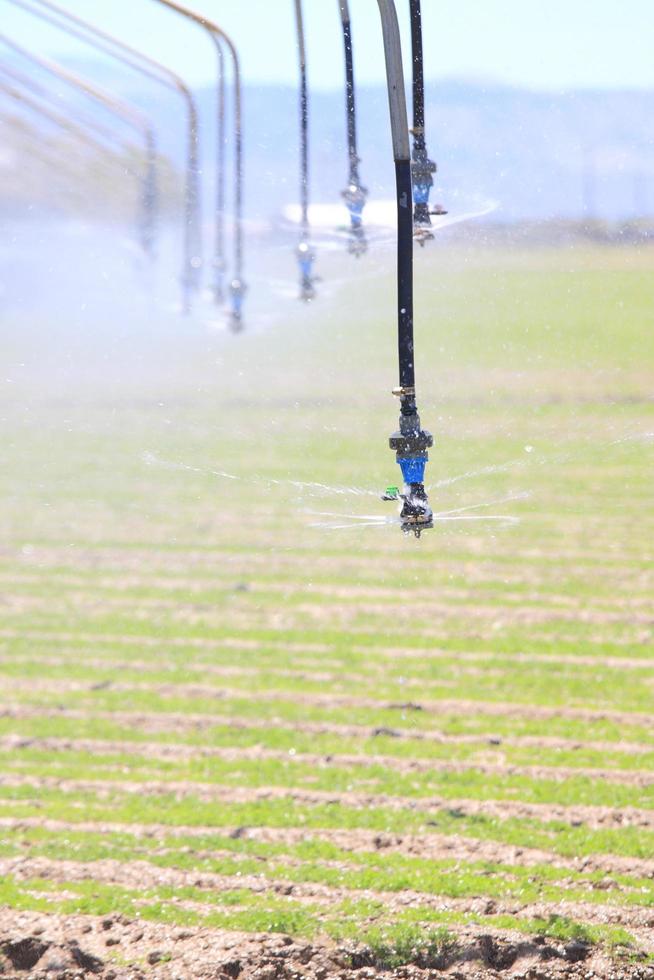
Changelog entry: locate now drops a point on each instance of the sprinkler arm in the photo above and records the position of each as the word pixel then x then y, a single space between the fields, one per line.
pixel 40 92
pixel 354 194
pixel 410 442
pixel 51 155
pixel 305 254
pixel 101 40
pixel 57 118
pixel 422 168
pixel 132 117
pixel 237 287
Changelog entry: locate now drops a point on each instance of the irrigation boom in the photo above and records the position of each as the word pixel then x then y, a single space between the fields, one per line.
pixel 101 40
pixel 128 115
pixel 354 194
pixel 237 287
pixel 411 442
pixel 422 168
pixel 305 254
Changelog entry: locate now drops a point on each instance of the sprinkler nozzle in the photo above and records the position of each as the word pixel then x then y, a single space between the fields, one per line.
pixel 355 197
pixel 218 282
pixel 306 258
pixel 422 170
pixel 411 443
pixel 237 290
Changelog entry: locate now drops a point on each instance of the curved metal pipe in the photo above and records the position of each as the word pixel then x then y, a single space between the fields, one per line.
pixel 35 139
pixel 354 195
pixel 128 115
pixel 305 254
pixel 60 120
pixel 36 89
pixel 219 264
pixel 75 26
pixel 57 118
pixel 237 287
pixel 401 155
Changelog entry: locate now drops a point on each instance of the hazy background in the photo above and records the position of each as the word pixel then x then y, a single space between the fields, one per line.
pixel 546 108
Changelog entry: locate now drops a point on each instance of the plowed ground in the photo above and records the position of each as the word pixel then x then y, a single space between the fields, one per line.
pixel 238 745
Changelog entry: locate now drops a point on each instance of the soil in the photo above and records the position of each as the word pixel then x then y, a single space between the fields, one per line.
pixel 39 947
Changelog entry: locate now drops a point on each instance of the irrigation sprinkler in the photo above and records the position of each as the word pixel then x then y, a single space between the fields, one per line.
pixel 89 34
pixel 8 87
pixel 127 114
pixel 237 286
pixel 411 441
pixel 354 194
pixel 46 154
pixel 36 89
pixel 305 254
pixel 422 168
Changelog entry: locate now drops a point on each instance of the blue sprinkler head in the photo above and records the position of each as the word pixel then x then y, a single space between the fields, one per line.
pixel 422 169
pixel 411 443
pixel 305 259
pixel 355 198
pixel 237 290
pixel 218 282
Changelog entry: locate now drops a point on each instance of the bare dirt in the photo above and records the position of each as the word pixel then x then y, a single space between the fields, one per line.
pixel 38 947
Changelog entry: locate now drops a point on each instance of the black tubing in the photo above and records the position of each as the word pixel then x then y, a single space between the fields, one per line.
pixel 350 104
pixel 304 122
pixel 418 74
pixel 405 281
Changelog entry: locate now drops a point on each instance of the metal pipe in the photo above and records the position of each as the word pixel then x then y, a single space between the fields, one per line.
pixel 401 155
pixel 29 83
pixel 101 40
pixel 219 264
pixel 55 117
pixel 237 287
pixel 35 140
pixel 305 254
pixel 132 117
pixel 422 168
pixel 411 442
pixel 354 195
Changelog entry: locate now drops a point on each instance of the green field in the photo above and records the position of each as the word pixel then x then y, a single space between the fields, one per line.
pixel 322 732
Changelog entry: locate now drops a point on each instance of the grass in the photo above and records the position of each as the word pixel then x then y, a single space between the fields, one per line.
pixel 150 606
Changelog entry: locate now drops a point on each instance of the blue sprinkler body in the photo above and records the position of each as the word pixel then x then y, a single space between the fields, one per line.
pixel 305 260
pixel 411 443
pixel 236 293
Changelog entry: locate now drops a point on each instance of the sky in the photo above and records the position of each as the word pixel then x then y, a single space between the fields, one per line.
pixel 553 45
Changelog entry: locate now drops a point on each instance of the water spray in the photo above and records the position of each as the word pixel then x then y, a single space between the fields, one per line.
pixel 237 286
pixel 101 40
pixel 355 193
pixel 411 442
pixel 10 79
pixel 422 168
pixel 128 115
pixel 305 254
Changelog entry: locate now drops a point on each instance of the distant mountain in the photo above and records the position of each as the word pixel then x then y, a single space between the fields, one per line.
pixel 539 155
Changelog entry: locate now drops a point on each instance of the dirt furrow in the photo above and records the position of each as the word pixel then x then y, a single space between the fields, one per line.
pixel 397 764
pixel 198 953
pixel 336 613
pixel 139 875
pixel 222 582
pixel 455 706
pixel 158 664
pixel 167 750
pixel 433 846
pixel 582 814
